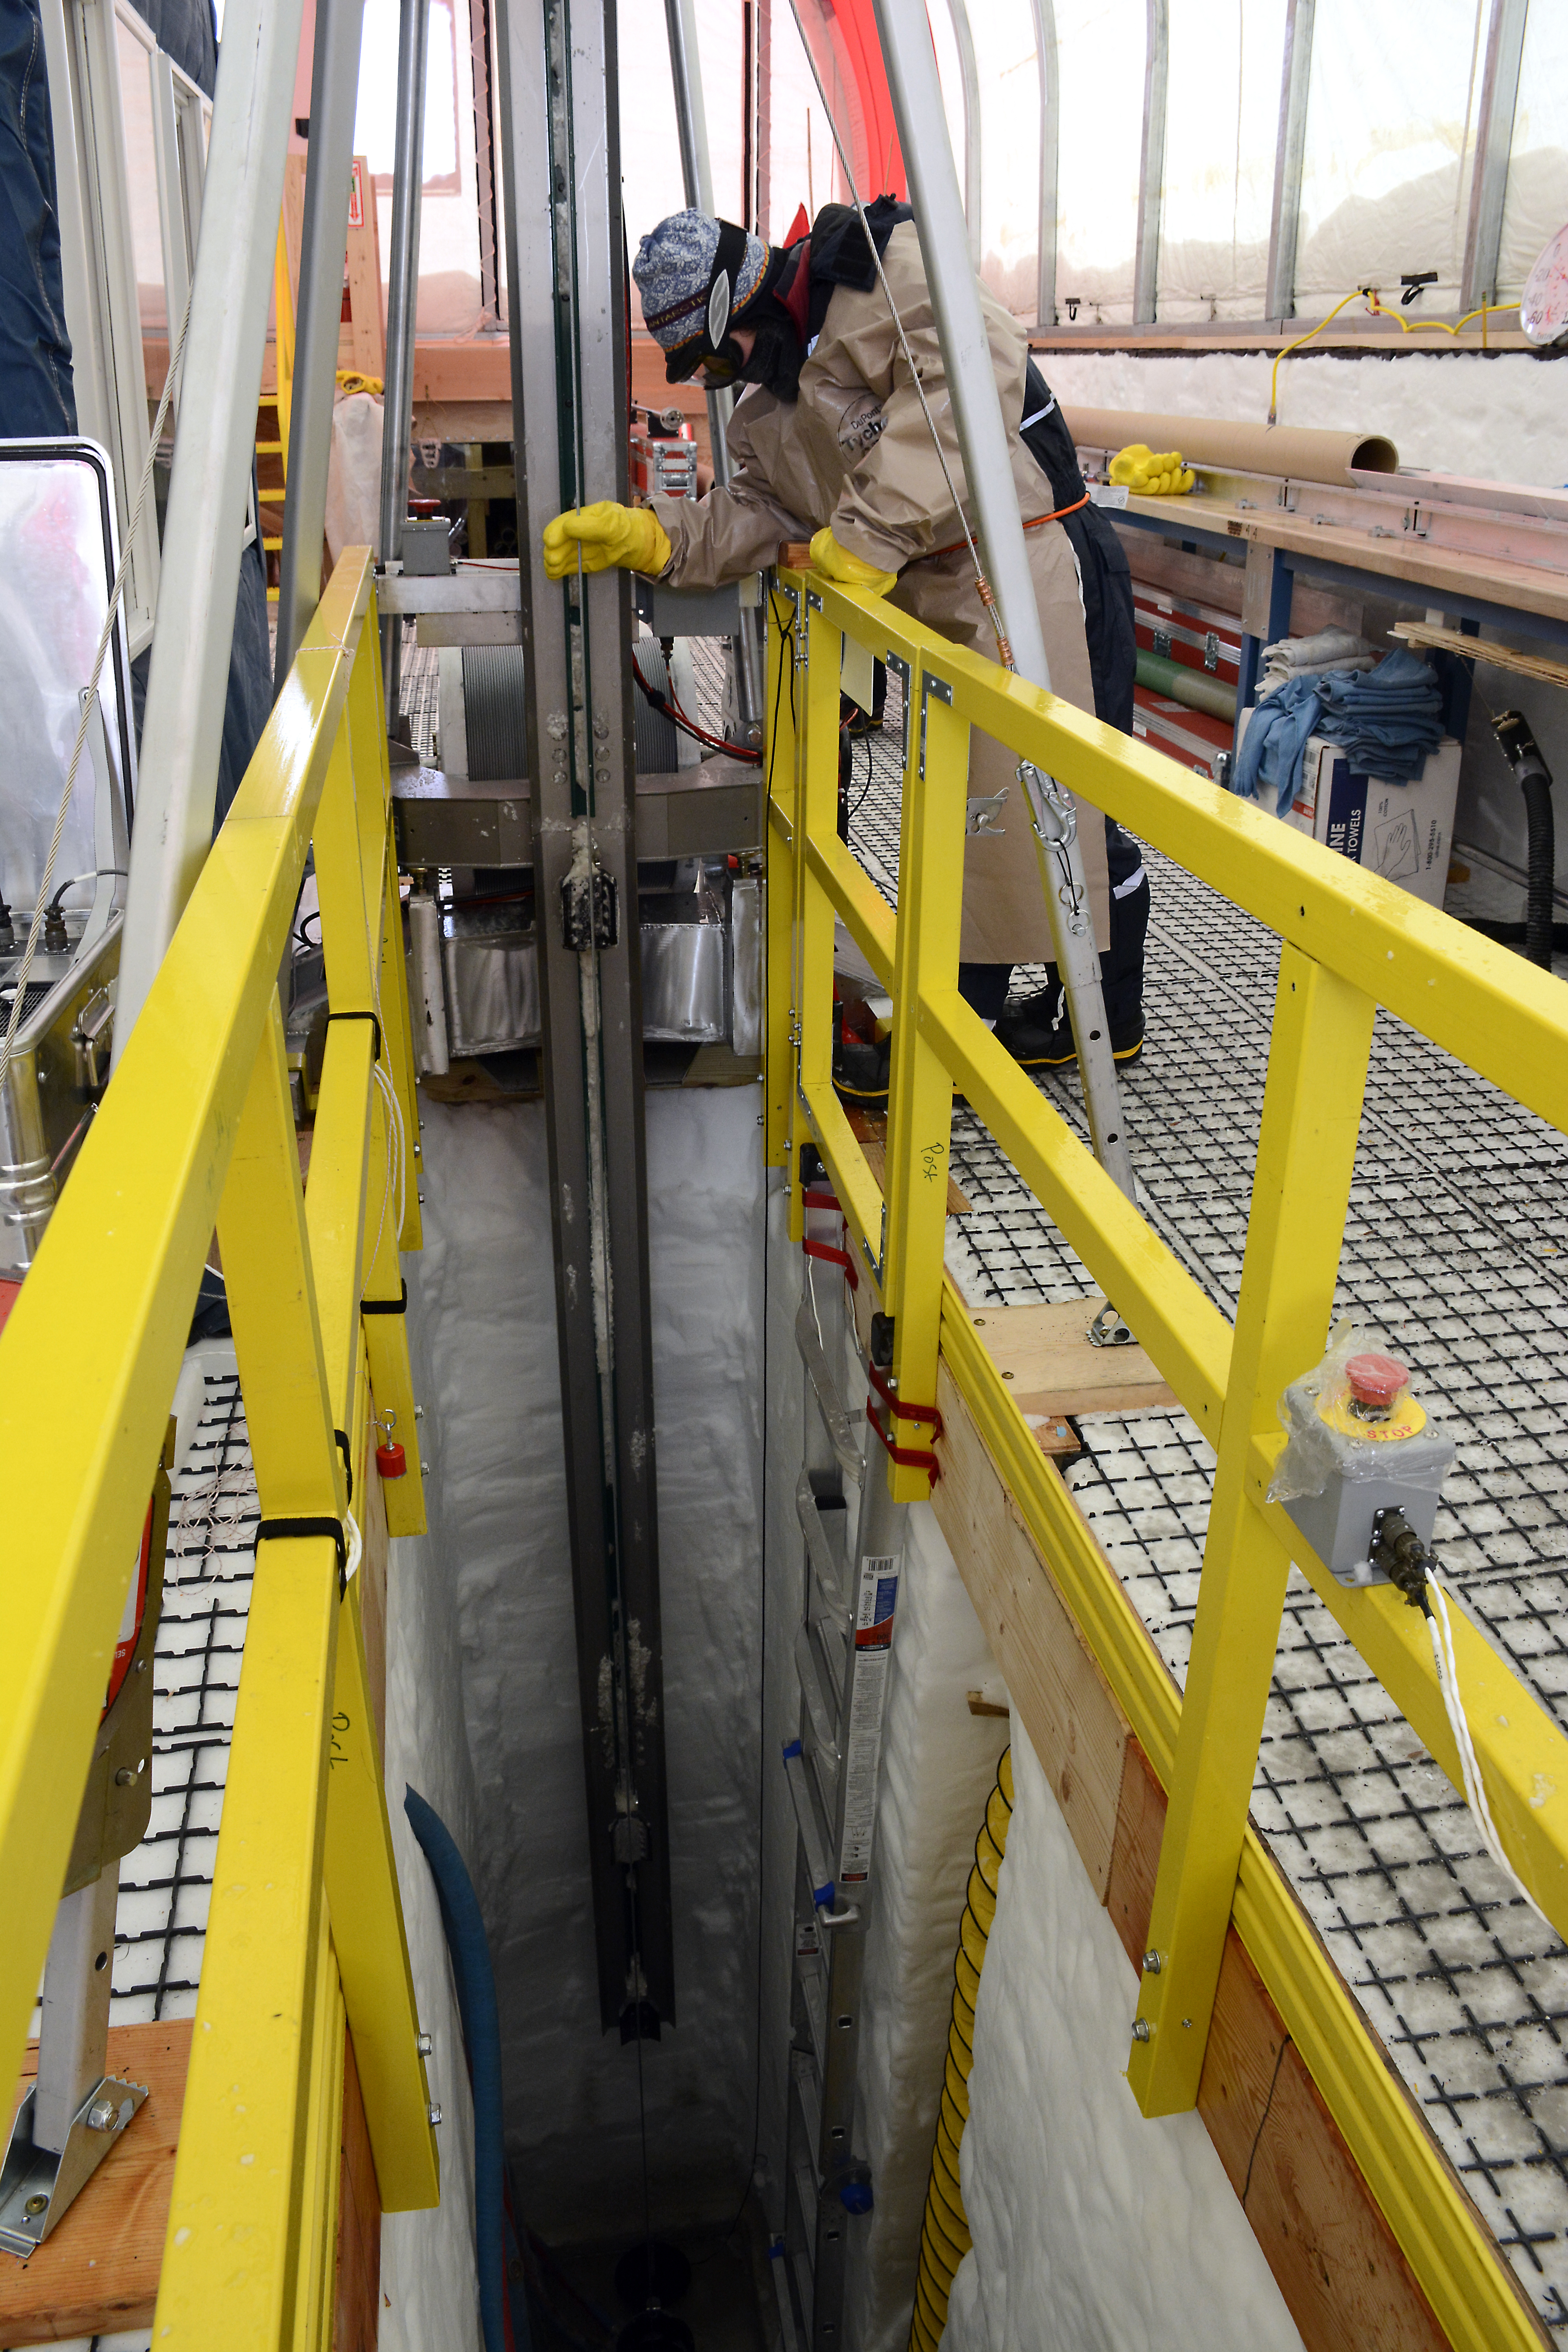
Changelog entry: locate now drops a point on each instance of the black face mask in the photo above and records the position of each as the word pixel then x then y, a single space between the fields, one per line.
pixel 777 356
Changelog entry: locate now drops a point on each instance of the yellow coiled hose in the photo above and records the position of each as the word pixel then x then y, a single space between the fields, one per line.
pixel 945 2233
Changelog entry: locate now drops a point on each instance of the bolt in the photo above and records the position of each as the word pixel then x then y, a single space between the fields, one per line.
pixel 100 2115
pixel 124 1777
pixel 1141 2028
pixel 434 2114
pixel 1151 1964
pixel 423 2044
pixel 1188 2024
pixel 418 1412
pixel 35 2205
pixel 424 1469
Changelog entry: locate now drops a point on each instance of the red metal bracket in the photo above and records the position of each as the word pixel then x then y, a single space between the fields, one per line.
pixel 825 1250
pixel 911 1457
pixel 894 1404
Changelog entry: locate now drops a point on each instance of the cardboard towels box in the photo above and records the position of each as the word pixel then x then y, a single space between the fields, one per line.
pixel 1403 832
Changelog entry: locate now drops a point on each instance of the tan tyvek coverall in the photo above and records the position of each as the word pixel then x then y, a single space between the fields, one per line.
pixel 796 467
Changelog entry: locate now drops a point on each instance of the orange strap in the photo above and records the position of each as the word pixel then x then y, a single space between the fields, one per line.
pixel 1035 522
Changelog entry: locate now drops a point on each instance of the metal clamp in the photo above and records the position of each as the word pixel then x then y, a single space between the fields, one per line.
pixel 1109 1330
pixel 981 815
pixel 1056 811
pixel 931 689
pixel 901 669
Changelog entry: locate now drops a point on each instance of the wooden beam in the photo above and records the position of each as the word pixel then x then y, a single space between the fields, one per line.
pixel 1046 1355
pixel 357 2313
pixel 98 2273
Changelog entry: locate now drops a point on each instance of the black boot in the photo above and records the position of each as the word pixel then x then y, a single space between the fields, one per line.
pixel 1037 1032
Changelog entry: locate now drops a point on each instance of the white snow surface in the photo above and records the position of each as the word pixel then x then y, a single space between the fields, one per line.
pixel 1094 2230
pixel 482 1293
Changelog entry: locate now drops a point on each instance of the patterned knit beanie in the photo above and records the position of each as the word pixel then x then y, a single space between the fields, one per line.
pixel 674 271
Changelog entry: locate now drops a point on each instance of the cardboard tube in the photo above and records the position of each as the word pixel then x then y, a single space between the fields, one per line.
pixel 1306 456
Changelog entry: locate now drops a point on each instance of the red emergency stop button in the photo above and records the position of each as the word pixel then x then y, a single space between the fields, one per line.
pixel 1376 1380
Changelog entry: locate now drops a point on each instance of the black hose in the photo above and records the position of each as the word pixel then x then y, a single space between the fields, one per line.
pixel 1537 790
pixel 1519 749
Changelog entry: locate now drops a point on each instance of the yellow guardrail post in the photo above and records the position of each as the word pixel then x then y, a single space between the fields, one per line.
pixel 1300 1191
pixel 817 812
pixel 778 813
pixel 920 1100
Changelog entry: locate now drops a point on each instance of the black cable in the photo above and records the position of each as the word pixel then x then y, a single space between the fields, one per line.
pixel 866 787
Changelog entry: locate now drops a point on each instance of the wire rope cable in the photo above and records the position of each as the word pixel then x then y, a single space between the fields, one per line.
pixel 90 704
pixel 987 596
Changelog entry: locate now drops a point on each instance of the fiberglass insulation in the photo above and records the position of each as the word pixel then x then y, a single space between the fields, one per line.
pixel 1095 2229
pixel 484 1293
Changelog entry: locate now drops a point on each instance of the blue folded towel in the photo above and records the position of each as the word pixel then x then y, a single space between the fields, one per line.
pixel 1387 721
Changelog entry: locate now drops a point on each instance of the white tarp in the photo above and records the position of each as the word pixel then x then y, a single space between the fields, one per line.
pixel 483 1290
pixel 1095 2229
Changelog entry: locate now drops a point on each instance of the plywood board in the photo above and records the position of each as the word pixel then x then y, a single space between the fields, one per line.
pixel 1056 1690
pixel 357 2314
pixel 98 2273
pixel 1332 2254
pixel 1052 1368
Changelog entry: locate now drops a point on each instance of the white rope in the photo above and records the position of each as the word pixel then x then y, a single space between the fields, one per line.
pixel 356 1549
pixel 89 704
pixel 1441 1630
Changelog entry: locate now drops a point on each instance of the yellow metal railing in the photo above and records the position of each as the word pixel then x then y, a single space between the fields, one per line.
pixel 1349 942
pixel 305 1933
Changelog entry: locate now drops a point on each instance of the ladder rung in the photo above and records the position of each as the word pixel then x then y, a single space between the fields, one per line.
pixel 269 448
pixel 808 2098
pixel 841 1433
pixel 823 1717
pixel 824 1568
pixel 777 2258
pixel 812 1836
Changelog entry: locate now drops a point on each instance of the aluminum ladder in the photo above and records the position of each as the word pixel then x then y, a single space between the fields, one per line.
pixel 853 1534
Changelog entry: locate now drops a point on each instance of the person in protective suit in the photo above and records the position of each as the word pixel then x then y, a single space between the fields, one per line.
pixel 831 444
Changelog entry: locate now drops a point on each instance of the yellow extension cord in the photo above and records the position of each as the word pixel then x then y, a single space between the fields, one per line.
pixel 945 2233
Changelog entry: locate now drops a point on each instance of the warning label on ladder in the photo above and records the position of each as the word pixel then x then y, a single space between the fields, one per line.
pixel 876 1602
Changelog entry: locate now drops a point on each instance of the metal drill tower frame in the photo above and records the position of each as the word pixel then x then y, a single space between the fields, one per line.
pixel 560 120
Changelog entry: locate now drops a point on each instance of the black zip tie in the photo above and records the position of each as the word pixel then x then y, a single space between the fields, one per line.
pixel 386 1306
pixel 374 1017
pixel 348 1461
pixel 293 1528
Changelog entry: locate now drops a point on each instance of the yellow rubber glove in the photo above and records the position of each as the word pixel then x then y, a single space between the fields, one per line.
pixel 836 562
pixel 612 537
pixel 1151 474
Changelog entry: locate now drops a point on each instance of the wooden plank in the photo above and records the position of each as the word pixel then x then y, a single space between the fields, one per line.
pixel 1332 2254
pixel 362 343
pixel 98 2273
pixel 357 2314
pixel 1046 1355
pixel 1453 641
pixel 1056 1690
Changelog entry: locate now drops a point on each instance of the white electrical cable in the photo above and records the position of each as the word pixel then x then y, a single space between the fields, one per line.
pixel 1442 1633
pixel 89 701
